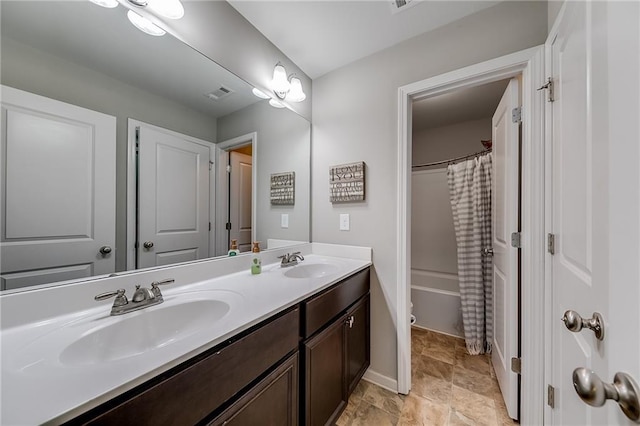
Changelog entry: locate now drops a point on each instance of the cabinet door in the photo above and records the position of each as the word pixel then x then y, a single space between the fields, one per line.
pixel 272 402
pixel 357 343
pixel 324 375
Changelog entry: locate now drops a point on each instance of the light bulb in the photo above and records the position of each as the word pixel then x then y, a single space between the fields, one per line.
pixel 280 85
pixel 144 25
pixel 260 94
pixel 171 9
pixel 296 94
pixel 275 103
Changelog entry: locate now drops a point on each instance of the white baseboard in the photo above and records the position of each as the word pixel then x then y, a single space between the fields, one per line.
pixel 383 381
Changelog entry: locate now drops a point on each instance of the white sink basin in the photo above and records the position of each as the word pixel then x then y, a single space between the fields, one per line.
pixel 312 270
pixel 143 331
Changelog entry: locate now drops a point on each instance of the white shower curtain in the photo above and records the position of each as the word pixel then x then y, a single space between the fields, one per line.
pixel 470 192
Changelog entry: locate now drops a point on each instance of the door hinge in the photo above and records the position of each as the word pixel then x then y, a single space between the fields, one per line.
pixel 516 365
pixel 551 243
pixel 551 396
pixel 210 165
pixel 516 115
pixel 209 226
pixel 229 168
pixel 228 226
pixel 549 87
pixel 516 240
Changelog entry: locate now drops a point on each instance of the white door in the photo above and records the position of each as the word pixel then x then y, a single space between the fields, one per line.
pixel 173 197
pixel 240 199
pixel 58 190
pixel 595 198
pixel 504 220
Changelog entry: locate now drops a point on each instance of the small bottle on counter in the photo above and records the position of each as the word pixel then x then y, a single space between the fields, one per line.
pixel 233 251
pixel 256 261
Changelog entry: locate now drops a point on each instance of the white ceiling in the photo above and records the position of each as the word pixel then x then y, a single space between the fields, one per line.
pixel 321 36
pixel 458 106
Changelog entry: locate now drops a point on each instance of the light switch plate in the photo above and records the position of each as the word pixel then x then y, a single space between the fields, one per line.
pixel 284 220
pixel 344 222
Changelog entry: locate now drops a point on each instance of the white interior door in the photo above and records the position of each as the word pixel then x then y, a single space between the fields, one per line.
pixel 240 199
pixel 58 190
pixel 173 197
pixel 595 194
pixel 505 259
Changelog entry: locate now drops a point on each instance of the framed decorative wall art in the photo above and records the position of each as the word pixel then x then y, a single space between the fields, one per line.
pixel 346 182
pixel 283 189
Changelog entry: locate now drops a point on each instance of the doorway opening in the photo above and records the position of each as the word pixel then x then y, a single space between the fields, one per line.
pixel 470 196
pixel 235 194
pixel 528 64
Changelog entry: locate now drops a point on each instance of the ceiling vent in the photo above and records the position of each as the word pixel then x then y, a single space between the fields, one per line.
pixel 219 94
pixel 402 5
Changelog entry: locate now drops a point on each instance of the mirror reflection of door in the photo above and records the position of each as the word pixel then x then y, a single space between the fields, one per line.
pixel 58 190
pixel 173 197
pixel 240 176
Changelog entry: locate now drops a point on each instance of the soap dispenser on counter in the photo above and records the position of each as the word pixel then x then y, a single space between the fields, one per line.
pixel 256 261
pixel 233 251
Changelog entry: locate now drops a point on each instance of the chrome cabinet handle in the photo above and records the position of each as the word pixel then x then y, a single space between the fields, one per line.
pixel 593 391
pixel 349 321
pixel 148 244
pixel 575 323
pixel 105 250
pixel 487 251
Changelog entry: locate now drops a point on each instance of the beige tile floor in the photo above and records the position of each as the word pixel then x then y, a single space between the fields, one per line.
pixel 449 388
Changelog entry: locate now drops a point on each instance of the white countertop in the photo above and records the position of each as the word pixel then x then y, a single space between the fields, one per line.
pixel 40 386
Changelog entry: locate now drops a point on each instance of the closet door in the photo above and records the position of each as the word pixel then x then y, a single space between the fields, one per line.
pixel 505 193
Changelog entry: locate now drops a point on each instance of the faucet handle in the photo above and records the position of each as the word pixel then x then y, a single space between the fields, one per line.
pixel 156 290
pixel 121 299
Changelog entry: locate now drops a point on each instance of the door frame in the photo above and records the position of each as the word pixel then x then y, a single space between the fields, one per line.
pixel 132 185
pixel 222 202
pixel 530 64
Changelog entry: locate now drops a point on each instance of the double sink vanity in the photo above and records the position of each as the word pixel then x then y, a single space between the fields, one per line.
pixel 226 347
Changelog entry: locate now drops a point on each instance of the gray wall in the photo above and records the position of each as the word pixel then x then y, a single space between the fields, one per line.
pixel 218 31
pixel 284 145
pixel 38 72
pixel 355 119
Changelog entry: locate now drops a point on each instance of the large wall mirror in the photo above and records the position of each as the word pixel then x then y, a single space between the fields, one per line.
pixel 123 151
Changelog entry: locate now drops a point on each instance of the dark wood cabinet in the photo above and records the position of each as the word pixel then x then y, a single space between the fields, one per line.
pixel 324 376
pixel 336 352
pixel 271 402
pixel 357 343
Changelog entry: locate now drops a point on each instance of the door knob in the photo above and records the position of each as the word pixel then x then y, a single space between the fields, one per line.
pixel 487 251
pixel 593 391
pixel 105 250
pixel 574 322
pixel 148 244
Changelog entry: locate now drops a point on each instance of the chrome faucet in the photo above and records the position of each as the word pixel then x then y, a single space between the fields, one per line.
pixel 290 259
pixel 142 298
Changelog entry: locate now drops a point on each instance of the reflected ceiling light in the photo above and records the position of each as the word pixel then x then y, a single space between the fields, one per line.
pixel 275 104
pixel 286 88
pixel 110 4
pixel 171 9
pixel 260 94
pixel 145 25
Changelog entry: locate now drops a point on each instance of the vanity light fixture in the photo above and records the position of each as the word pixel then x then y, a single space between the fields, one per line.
pixel 260 94
pixel 289 88
pixel 171 9
pixel 276 104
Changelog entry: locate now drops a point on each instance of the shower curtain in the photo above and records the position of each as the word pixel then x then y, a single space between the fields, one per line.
pixel 470 193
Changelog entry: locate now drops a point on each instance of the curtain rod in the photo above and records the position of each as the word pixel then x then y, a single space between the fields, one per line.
pixel 452 160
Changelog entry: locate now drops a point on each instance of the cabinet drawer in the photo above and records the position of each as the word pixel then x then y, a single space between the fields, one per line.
pixel 188 396
pixel 320 309
pixel 272 402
